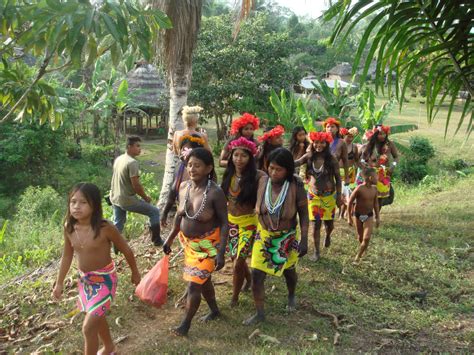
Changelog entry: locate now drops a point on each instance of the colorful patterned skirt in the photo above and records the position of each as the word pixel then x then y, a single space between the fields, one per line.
pixel 242 230
pixel 383 183
pixel 274 252
pixel 352 175
pixel 97 289
pixel 200 255
pixel 321 207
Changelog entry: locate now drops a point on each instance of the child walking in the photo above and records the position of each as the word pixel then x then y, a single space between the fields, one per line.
pixel 88 236
pixel 366 204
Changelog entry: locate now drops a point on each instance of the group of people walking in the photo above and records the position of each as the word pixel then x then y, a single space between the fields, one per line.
pixel 259 215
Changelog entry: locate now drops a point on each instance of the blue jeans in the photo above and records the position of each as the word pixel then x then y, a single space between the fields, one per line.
pixel 142 207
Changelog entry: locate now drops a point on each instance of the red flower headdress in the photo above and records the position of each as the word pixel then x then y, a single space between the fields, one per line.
pixel 351 131
pixel 343 132
pixel 331 120
pixel 379 128
pixel 321 136
pixel 275 132
pixel 244 120
pixel 243 143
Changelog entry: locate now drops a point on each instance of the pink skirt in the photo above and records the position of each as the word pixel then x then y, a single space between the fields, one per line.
pixel 97 289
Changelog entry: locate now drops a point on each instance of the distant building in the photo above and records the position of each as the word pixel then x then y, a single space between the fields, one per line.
pixel 341 72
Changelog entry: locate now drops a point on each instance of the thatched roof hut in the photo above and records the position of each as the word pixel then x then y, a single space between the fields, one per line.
pixel 342 71
pixel 148 97
pixel 146 87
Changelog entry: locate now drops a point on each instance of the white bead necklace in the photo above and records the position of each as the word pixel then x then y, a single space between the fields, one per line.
pixel 203 202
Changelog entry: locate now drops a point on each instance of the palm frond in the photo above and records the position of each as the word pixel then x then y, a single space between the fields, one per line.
pixel 402 128
pixel 177 44
pixel 410 37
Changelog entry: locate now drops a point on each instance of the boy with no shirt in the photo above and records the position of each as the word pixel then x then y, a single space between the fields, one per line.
pixel 362 205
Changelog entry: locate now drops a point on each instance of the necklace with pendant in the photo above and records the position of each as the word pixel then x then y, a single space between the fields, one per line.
pixel 79 240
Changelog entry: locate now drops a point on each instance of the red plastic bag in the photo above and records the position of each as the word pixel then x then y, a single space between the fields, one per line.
pixel 153 287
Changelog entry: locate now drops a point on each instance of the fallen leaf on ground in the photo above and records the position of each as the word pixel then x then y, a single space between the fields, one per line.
pixel 254 333
pixel 268 338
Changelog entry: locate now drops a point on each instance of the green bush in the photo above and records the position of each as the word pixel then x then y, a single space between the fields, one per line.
pixel 413 167
pixel 411 171
pixel 422 149
pixel 98 155
pixel 38 203
pixel 28 155
pixel 34 235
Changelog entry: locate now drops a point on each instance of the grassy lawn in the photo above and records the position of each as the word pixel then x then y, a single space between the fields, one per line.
pixel 412 293
pixel 424 246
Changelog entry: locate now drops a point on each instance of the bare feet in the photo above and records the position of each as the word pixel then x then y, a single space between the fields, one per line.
pixel 256 318
pixel 210 316
pixel 182 330
pixel 291 307
pixel 234 303
pixel 246 287
pixel 104 351
pixel 315 257
pixel 327 241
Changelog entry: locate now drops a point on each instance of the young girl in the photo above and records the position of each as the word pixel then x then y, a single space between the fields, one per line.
pixel 362 212
pixel 281 203
pixel 381 154
pixel 338 146
pixel 324 188
pixel 243 126
pixel 352 162
pixel 89 237
pixel 187 142
pixel 190 115
pixel 298 145
pixel 272 139
pixel 201 222
pixel 240 186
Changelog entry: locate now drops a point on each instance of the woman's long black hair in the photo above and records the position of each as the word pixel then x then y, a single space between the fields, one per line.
pixel 248 184
pixel 328 159
pixel 294 142
pixel 283 158
pixel 267 148
pixel 206 157
pixel 374 143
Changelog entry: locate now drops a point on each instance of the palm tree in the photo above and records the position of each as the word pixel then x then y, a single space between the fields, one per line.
pixel 177 49
pixel 411 37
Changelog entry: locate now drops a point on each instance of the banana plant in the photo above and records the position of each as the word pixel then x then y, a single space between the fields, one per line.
pixel 285 107
pixel 68 34
pixel 336 102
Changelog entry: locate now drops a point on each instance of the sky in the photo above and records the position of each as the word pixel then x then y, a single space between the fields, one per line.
pixel 310 8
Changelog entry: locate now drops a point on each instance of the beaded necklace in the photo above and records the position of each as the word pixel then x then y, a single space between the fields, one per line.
pixel 274 209
pixel 203 202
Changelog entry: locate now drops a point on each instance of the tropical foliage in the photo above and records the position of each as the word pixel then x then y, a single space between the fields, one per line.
pixel 65 34
pixel 237 75
pixel 411 37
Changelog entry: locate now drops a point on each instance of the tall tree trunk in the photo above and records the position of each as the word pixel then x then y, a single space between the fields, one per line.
pixel 178 97
pixel 176 47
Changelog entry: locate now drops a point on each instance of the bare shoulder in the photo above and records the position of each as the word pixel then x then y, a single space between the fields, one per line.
pixel 260 174
pixel 107 228
pixel 216 191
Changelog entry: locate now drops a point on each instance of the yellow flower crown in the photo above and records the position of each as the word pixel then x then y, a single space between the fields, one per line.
pixel 193 139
